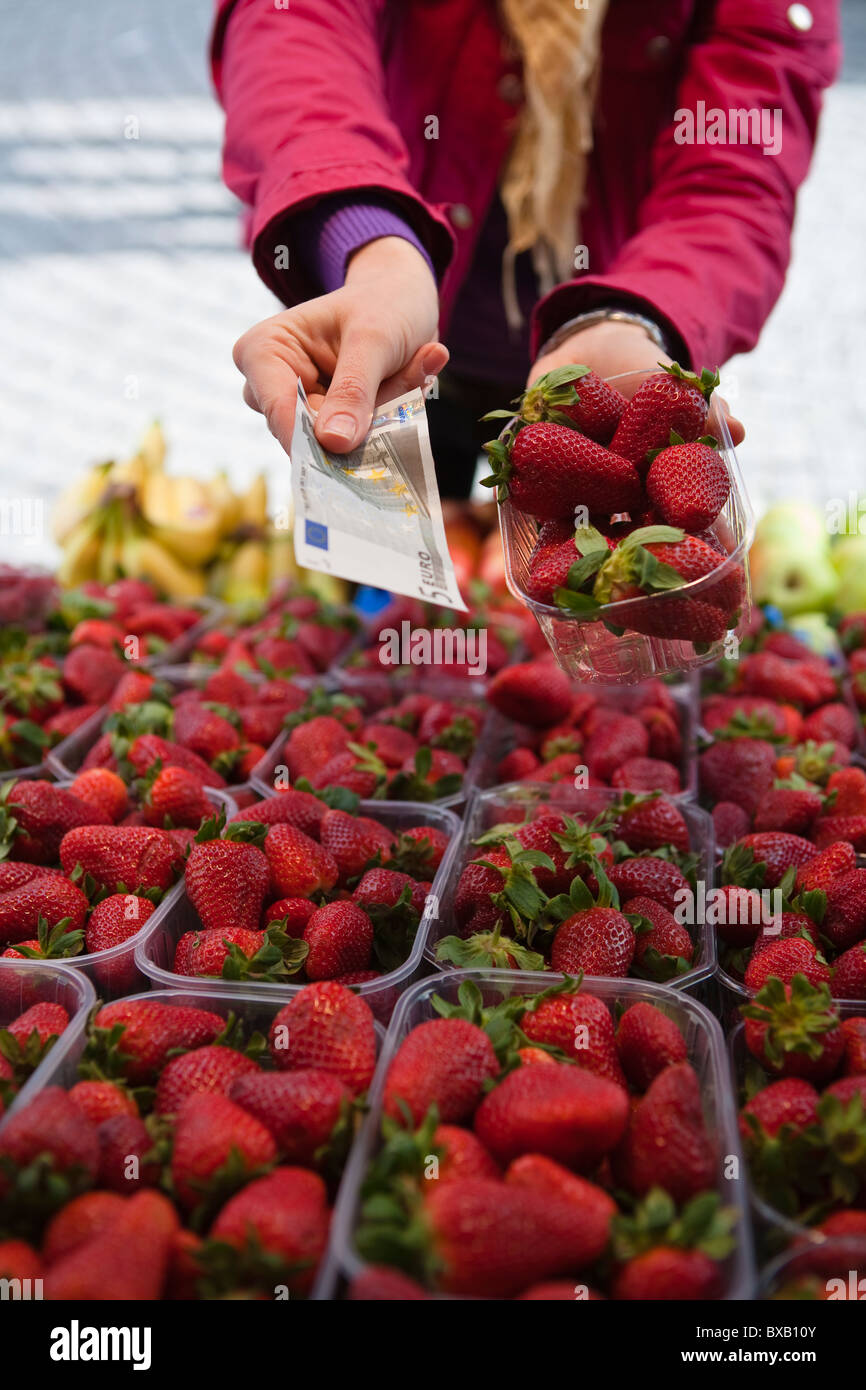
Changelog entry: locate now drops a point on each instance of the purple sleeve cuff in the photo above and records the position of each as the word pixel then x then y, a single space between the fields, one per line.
pixel 336 227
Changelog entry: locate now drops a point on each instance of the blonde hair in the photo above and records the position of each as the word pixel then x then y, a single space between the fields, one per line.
pixel 544 177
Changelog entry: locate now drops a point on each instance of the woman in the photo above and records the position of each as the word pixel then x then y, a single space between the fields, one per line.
pixel 534 181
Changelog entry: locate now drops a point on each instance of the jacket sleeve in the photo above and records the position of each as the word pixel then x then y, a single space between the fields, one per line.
pixel 303 89
pixel 712 245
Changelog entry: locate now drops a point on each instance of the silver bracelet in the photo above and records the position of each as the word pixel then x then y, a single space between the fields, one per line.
pixel 595 316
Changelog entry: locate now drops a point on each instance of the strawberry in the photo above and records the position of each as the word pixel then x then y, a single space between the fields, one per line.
pixel 647 1041
pixel 549 568
pixel 834 722
pixel 668 400
pixel 739 770
pixel 147 1031
pixel 204 731
pixel 793 1030
pixel 326 1026
pixel 217 1146
pixel 175 797
pixel 90 673
pixel 99 1100
pixel 564 1112
pixel 688 484
pixel 299 867
pixel 580 1025
pixel 18 1260
pixel 730 823
pixel 461 1156
pixel 826 867
pixel 491 1239
pixel 47 898
pixel 547 469
pixel 81 1220
pixel 849 973
pixel 650 823
pixel 830 829
pixel 598 941
pixel 128 1260
pixel 649 561
pixel 792 810
pixel 667 1272
pixel 844 922
pixel 752 716
pixel 784 959
pixel 301 1109
pixel 104 791
pixel 227 882
pixel 46 1020
pixel 115 919
pixel 762 860
pixel 392 745
pixel 340 939
pixel 787 682
pixel 312 744
pixel 121 1138
pixel 791 1102
pixel 781 927
pixel 148 749
pixel 41 814
pixel 420 850
pixel 591 1206
pixel 618 740
pixel 51 1124
pixel 292 915
pixel 133 688
pixel 576 395
pixel 848 786
pixel 666 1144
pixel 358 770
pixel 212 1068
pixel 354 841
pixel 647 775
pixel 289 807
pixel 283 1217
pixel 118 857
pixel 443 1062
pixel 854 1030
pixel 663 948
pixel 533 692
pixel 650 877
pixel 234 952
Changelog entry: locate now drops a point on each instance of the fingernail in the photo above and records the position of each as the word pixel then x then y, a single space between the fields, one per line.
pixel 340 427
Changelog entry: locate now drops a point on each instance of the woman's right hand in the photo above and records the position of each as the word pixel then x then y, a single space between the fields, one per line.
pixel 370 341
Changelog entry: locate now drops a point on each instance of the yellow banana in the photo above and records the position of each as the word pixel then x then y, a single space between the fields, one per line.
pixel 247 573
pixel 144 558
pixel 77 501
pixel 226 501
pixel 151 448
pixel 81 550
pixel 182 517
pixel 326 586
pixel 281 557
pixel 254 503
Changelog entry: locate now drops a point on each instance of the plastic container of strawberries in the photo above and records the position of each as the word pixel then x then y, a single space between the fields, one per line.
pixel 255 1010
pixel 24 983
pixel 779 1227
pixel 511 802
pixel 375 691
pixel 156 943
pixel 834 1257
pixel 585 647
pixel 706 1052
pixel 115 972
pixel 502 735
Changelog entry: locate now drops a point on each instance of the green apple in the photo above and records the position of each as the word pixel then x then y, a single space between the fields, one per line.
pixel 816 631
pixel 794 580
pixel 795 525
pixel 849 561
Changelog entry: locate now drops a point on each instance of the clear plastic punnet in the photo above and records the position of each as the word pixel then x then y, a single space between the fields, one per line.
pixel 24 983
pixel 513 801
pixel 706 1052
pixel 586 646
pixel 254 1010
pixel 156 944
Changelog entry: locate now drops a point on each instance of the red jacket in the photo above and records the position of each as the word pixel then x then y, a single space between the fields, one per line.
pixel 324 96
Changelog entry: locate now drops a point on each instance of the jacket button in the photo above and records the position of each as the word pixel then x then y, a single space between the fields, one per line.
pixel 510 89
pixel 461 216
pixel 658 48
pixel 800 17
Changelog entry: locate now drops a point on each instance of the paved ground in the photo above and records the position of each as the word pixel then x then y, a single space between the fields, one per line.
pixel 123 285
